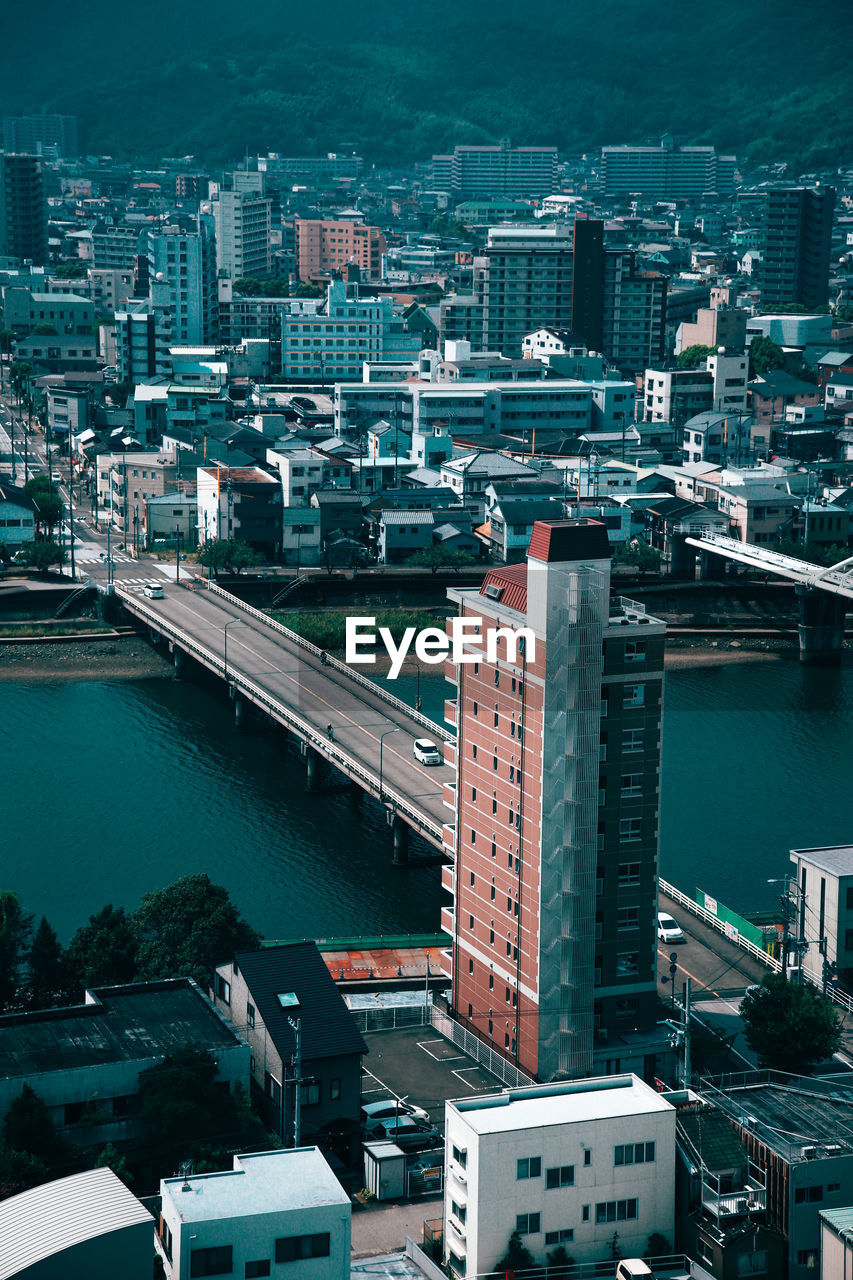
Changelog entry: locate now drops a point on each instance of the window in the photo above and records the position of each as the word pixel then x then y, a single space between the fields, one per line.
pixel 615 1210
pixel 470 922
pixel 587 1156
pixel 808 1195
pixel 223 989
pixel 627 964
pixel 635 650
pixel 632 785
pixel 807 1258
pixel 632 740
pixel 260 1268
pixel 634 1153
pixel 629 874
pixel 272 1088
pixel 561 1176
pixel 459 1211
pixel 250 1014
pixel 634 695
pixel 630 829
pixel 475 708
pixel 585 1213
pixel 527 1224
pixel 335 1088
pixel 627 918
pixel 166 1238
pixel 559 1237
pixel 528 1167
pixel 217 1261
pixel 460 1155
pixel 292 1248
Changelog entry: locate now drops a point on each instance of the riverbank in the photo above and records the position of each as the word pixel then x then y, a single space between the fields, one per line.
pixel 119 658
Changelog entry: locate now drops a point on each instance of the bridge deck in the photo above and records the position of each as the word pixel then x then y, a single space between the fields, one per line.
pixel 291 683
pixel 836 579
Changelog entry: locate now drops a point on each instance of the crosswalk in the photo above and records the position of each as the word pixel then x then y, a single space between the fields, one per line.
pixel 86 557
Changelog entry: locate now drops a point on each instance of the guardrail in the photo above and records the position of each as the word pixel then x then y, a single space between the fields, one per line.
pixel 335 664
pixel 279 711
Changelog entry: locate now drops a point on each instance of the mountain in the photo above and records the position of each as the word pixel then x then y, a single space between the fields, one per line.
pixel 766 79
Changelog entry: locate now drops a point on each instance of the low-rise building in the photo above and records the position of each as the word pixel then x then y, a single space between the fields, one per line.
pixel 17 517
pixel 824 924
pixel 581 1164
pixel 88 1224
pixel 772 393
pixel 836 1243
pixel 275 1213
pixel 240 504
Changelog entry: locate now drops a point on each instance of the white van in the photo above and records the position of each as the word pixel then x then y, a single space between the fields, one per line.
pixel 633 1269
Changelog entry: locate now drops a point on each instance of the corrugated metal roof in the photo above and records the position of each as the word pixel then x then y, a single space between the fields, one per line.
pixel 512 583
pixel 46 1220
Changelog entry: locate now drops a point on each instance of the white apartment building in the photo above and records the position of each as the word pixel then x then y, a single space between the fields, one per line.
pixel 243 222
pixel 144 334
pixel 187 260
pixel 277 1213
pixel 333 337
pixel 570 1164
pixel 304 470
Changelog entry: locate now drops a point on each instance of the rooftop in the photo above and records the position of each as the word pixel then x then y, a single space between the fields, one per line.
pixel 140 1021
pixel 265 1182
pixel 77 1209
pixel 836 858
pixel 574 1102
pixel 797 1117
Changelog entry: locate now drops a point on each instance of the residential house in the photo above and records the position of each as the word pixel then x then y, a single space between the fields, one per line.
pixel 267 995
pixel 240 503
pixel 772 393
pixel 18 515
pixel 275 1213
pixel 823 911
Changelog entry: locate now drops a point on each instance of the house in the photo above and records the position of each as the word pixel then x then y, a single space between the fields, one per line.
pixel 17 517
pixel 670 521
pixel 717 437
pixel 88 1224
pixel 240 503
pixel 401 533
pixel 85 1061
pixel 511 520
pixel 266 994
pixel 275 1213
pixel 772 393
pixel 574 1164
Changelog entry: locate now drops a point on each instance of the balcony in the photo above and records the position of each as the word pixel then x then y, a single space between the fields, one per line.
pixel 448 920
pixel 448 795
pixel 448 837
pixel 733 1204
pixel 450 754
pixel 450 711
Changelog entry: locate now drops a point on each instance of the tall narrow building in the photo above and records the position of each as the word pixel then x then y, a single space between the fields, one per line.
pixel 23 209
pixel 555 833
pixel 795 239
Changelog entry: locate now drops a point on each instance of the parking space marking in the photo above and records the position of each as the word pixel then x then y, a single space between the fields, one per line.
pixel 459 1072
pixel 439 1057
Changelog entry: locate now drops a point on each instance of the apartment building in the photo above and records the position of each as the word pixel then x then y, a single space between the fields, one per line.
pixel 524 281
pixel 795 240
pixel 633 313
pixel 714 327
pixel 668 170
pixel 332 338
pixel 572 1164
pixel 554 834
pixel 504 170
pixel 822 910
pixel 240 503
pixel 187 261
pixel 243 220
pixel 23 209
pixel 275 1213
pixel 324 246
pixel 67 313
pixel 143 336
pixel 45 133
pixel 116 246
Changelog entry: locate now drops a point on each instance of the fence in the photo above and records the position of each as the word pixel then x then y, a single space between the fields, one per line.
pixel 475 1048
pixel 436 730
pixel 392 1018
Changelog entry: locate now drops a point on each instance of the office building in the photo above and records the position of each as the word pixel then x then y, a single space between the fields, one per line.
pixel 186 260
pixel 332 338
pixel 324 247
pixel 554 835
pixel 275 1213
pixel 23 209
pixel 572 1164
pixel 480 172
pixel 242 217
pixel 795 238
pixel 821 908
pixel 667 171
pixel 43 134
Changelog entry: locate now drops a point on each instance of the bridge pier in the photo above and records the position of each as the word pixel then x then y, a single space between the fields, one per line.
pixel 312 766
pixel 400 834
pixel 180 660
pixel 240 711
pixel 821 625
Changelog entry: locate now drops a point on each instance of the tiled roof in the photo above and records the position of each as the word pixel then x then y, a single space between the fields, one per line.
pixel 511 583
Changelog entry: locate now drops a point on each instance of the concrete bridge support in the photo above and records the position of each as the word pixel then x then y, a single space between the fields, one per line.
pixel 400 833
pixel 821 625
pixel 180 660
pixel 240 711
pixel 313 764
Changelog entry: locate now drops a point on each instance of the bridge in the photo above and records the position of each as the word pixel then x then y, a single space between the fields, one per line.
pixel 271 668
pixel 822 591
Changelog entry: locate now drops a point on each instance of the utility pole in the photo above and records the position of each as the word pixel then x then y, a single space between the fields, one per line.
pixel 71 521
pixel 177 555
pixel 295 1025
pixel 687 1033
pixel 109 554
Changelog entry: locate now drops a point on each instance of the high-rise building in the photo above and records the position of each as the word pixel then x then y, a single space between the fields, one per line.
pixel 504 170
pixel 324 246
pixel 144 335
pixel 41 134
pixel 634 312
pixel 795 237
pixel 524 280
pixel 667 171
pixel 555 832
pixel 243 220
pixel 23 209
pixel 187 260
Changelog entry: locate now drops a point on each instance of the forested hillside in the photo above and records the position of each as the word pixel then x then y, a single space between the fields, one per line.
pixel 400 80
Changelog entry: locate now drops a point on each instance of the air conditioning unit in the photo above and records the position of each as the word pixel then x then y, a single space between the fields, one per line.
pixel 602 1035
pixel 808 1153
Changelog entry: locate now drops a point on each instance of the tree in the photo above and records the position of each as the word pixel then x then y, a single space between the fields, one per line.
pixel 110 1158
pixel 118 392
pixel 638 553
pixel 691 357
pixel 48 503
pixel 440 557
pixel 764 356
pixel 789 1025
pixel 41 555
pixel 44 330
pixel 70 271
pixel 28 1127
pixel 222 556
pixel 102 953
pixel 517 1256
pixel 189 927
pixel 15 929
pixel 558 1259
pixel 46 970
pixel 658 1246
pixel 19 374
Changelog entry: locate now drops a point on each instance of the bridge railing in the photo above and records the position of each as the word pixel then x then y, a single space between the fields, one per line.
pixel 280 711
pixel 708 917
pixel 437 731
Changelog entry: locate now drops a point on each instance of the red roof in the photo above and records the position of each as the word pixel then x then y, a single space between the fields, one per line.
pixel 583 539
pixel 510 584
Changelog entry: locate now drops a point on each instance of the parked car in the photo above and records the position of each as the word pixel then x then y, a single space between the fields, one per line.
pixel 668 929
pixel 153 591
pixel 388 1108
pixel 426 752
pixel 388 1125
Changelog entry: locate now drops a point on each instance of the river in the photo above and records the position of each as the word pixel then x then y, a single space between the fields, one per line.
pixel 113 789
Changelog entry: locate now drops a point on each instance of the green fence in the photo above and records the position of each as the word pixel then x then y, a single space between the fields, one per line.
pixel 734 925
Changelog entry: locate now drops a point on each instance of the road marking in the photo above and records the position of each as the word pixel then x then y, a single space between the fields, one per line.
pixel 459 1072
pixel 454 1057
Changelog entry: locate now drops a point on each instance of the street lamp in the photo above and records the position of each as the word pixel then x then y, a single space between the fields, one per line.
pixel 413 662
pixel 382 738
pixel 232 623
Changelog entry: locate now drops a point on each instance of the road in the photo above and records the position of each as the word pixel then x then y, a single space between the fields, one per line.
pixel 316 693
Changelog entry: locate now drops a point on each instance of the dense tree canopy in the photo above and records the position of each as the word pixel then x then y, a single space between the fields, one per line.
pixel 102 953
pixel 765 355
pixel 187 928
pixel 691 357
pixel 789 1025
